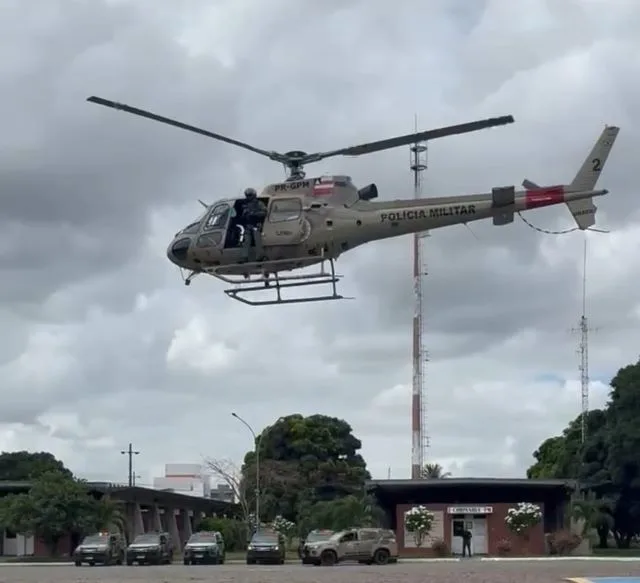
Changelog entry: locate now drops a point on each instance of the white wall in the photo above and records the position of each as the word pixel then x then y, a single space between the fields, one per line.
pixel 17 546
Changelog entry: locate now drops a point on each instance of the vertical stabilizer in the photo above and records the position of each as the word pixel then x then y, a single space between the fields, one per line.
pixel 584 211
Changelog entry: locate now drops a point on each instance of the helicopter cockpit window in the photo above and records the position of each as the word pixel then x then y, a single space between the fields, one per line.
pixel 285 209
pixel 218 217
pixel 191 229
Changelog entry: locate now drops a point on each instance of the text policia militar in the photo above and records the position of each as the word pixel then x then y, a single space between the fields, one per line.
pixel 432 213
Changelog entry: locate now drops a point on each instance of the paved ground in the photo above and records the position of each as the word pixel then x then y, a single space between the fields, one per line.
pixel 462 572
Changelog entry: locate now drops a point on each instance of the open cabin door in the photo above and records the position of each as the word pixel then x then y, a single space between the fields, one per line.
pixel 285 222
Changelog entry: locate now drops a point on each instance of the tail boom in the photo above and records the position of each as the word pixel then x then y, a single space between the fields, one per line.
pixel 575 195
pixel 546 196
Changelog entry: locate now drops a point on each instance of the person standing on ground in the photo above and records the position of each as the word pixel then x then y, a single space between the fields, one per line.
pixel 466 542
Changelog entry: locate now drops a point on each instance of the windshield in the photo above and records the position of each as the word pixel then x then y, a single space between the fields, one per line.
pixel 147 538
pixel 95 539
pixel 193 227
pixel 218 217
pixel 264 537
pixel 202 537
pixel 319 535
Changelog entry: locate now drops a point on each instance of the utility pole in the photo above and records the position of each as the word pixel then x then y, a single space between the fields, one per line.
pixel 256 443
pixel 130 452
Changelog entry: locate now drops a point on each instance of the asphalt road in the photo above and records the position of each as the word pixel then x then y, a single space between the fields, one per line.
pixel 466 571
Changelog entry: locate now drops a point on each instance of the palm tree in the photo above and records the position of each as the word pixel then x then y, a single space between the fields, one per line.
pixel 434 472
pixel 594 514
pixel 111 515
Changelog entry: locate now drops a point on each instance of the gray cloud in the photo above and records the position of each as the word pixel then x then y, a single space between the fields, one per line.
pixel 102 345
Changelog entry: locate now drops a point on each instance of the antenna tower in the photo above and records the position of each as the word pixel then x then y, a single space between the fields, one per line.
pixel 419 437
pixel 583 349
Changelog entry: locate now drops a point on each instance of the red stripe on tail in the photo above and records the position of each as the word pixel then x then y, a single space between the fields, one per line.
pixel 544 197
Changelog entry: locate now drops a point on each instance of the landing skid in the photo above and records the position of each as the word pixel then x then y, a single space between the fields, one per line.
pixel 246 284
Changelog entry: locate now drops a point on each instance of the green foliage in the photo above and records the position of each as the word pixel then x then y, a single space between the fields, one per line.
pixel 235 532
pixel 285 527
pixel 418 521
pixel 338 514
pixel 434 472
pixel 594 513
pixel 55 506
pixel 18 466
pixel 304 461
pixel 561 456
pixel 522 517
pixel 607 464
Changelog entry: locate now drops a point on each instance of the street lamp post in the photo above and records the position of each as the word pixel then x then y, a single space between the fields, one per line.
pixel 256 440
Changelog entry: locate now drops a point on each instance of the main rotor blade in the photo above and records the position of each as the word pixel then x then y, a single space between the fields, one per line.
pixel 389 143
pixel 183 126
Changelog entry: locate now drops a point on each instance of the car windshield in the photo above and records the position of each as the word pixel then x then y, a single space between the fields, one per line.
pixel 147 538
pixel 264 537
pixel 202 537
pixel 319 535
pixel 95 539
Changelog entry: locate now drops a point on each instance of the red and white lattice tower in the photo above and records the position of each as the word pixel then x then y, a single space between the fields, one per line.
pixel 419 435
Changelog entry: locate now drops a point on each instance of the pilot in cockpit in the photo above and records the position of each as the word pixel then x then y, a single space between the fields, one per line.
pixel 254 212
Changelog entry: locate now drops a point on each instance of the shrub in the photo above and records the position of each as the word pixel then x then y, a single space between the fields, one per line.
pixel 418 521
pixel 234 531
pixel 440 548
pixel 504 546
pixel 523 516
pixel 563 542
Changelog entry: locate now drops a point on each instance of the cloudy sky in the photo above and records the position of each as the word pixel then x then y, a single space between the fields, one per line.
pixel 102 345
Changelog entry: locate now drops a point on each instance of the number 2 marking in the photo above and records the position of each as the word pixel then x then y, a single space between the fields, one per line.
pixel 596 164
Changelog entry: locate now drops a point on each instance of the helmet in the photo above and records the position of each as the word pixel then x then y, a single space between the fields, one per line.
pixel 250 193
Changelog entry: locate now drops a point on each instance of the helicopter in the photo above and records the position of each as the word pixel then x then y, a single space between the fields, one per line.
pixel 312 221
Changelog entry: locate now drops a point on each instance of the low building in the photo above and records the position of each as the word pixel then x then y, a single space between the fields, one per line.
pixel 476 504
pixel 223 492
pixel 144 510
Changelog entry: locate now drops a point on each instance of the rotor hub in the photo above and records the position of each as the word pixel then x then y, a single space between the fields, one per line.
pixel 294 161
pixel 295 156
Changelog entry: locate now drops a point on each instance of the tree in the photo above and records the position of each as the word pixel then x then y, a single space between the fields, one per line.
pixel 235 532
pixel 19 466
pixel 56 505
pixel 108 514
pixel 565 456
pixel 338 514
pixel 304 460
pixel 595 514
pixel 418 521
pixel 434 472
pixel 228 472
pixel 606 464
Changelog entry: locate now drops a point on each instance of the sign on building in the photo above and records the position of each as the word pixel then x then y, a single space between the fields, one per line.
pixel 470 510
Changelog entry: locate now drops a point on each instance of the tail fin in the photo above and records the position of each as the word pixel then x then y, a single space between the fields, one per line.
pixel 584 211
